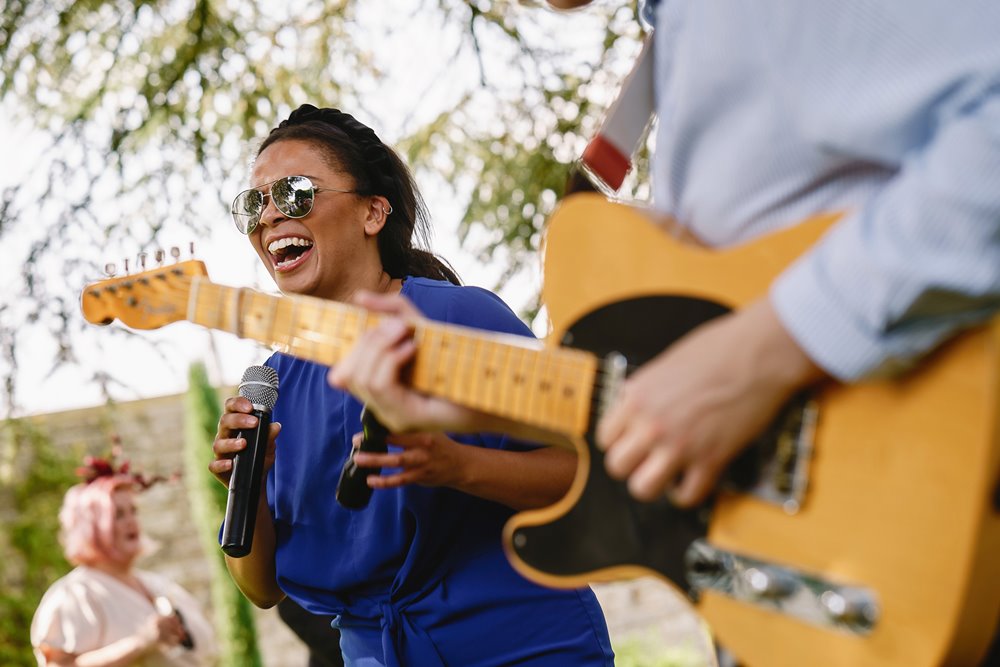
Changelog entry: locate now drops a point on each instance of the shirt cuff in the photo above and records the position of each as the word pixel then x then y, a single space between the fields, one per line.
pixel 821 326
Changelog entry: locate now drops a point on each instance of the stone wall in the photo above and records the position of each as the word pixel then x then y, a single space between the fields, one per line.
pixel 648 620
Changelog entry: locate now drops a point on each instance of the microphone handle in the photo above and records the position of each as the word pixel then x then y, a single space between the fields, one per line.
pixel 353 491
pixel 188 641
pixel 244 488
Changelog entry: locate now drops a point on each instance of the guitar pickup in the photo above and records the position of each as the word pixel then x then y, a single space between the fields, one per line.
pixel 807 597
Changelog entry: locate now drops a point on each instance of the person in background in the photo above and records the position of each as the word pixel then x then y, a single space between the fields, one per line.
pixel 418 577
pixel 106 612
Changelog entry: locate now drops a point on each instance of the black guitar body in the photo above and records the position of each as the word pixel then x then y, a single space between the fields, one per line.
pixel 606 527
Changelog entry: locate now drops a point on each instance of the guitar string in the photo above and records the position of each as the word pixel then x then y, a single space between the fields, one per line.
pixel 558 359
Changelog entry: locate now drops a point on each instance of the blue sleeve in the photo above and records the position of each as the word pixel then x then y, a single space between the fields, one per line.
pixel 468 306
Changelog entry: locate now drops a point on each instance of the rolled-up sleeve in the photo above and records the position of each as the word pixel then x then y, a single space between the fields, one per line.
pixel 920 261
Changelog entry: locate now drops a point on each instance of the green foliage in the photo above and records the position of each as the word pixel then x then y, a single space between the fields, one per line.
pixel 234 621
pixel 637 652
pixel 152 110
pixel 34 476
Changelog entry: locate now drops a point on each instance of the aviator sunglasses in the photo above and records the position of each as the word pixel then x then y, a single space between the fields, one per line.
pixel 292 195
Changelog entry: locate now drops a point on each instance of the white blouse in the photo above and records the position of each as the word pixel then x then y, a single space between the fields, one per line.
pixel 88 609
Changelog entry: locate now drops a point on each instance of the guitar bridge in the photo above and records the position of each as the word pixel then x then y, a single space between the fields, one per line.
pixel 775 468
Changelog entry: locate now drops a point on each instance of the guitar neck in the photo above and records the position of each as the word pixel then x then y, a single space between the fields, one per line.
pixel 500 374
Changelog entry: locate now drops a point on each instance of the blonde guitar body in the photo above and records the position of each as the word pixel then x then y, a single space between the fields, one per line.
pixel 901 487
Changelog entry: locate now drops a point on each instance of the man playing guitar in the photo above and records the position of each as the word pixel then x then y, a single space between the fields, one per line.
pixel 770 113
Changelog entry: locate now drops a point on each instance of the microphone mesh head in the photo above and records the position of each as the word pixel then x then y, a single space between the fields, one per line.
pixel 260 385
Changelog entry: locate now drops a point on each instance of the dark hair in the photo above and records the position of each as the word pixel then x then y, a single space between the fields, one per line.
pixel 353 147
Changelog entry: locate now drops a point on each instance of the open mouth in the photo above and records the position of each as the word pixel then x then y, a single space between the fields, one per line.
pixel 287 252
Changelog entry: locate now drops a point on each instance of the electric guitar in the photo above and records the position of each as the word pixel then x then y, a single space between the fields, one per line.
pixel 862 528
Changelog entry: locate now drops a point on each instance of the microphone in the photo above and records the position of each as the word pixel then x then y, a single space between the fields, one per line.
pixel 353 491
pixel 260 386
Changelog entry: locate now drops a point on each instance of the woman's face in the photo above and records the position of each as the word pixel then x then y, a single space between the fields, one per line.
pixel 333 250
pixel 127 533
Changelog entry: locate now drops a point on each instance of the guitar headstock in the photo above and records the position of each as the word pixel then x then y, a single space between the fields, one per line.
pixel 146 300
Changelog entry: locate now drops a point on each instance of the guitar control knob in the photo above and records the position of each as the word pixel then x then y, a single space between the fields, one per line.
pixel 706 567
pixel 769 582
pixel 850 607
pixel 701 560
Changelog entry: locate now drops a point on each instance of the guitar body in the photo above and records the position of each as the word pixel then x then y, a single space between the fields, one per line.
pixel 902 486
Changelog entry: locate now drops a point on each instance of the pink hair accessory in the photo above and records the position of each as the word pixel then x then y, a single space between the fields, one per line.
pixel 95 467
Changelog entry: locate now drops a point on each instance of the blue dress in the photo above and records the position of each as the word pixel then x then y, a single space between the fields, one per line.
pixel 418 577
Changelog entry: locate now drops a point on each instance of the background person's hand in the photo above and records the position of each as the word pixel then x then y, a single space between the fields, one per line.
pixel 162 630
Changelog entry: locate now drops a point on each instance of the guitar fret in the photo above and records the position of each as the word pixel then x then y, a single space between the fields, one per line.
pixel 461 367
pixel 535 407
pixel 506 381
pixel 312 326
pixel 294 335
pixel 481 378
pixel 324 325
pixel 223 309
pixel 426 360
pixel 566 407
pixel 456 362
pixel 476 381
pixel 517 405
pixel 447 356
pixel 496 390
pixel 546 408
pixel 418 372
pixel 282 334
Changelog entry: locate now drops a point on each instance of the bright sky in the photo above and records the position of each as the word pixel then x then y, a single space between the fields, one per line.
pixel 230 260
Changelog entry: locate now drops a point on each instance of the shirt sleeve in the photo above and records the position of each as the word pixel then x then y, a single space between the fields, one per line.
pixel 67 620
pixel 918 263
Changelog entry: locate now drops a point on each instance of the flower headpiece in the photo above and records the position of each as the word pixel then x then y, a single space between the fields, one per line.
pixel 95 467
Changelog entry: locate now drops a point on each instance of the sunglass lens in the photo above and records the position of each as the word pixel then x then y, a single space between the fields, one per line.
pixel 246 210
pixel 293 196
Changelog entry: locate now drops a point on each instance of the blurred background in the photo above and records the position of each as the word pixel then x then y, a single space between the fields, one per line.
pixel 128 126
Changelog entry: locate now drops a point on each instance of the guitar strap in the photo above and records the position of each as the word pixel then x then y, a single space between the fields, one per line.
pixel 608 156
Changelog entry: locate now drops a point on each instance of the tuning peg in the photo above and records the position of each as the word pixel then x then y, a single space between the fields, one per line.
pixel 110 270
pixel 140 261
pixel 175 252
pixel 159 257
pixel 191 249
pixel 126 265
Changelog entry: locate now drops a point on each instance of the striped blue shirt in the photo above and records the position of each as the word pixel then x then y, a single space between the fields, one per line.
pixel 772 111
